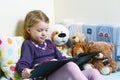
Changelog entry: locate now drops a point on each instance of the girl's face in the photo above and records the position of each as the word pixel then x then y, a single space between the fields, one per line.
pixel 38 32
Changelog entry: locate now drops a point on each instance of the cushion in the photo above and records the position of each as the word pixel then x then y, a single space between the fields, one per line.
pixel 10 49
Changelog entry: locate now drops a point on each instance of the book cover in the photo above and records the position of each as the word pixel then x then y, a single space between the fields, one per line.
pixel 49 67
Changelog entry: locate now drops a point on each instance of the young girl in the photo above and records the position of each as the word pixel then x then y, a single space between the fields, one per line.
pixel 36 49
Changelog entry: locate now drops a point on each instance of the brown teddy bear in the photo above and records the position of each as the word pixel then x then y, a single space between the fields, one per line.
pixel 103 61
pixel 77 37
pixel 78 44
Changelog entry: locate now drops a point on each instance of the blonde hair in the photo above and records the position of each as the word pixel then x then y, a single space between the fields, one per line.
pixel 32 18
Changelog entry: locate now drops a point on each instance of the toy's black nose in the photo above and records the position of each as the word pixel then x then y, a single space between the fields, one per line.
pixel 62 35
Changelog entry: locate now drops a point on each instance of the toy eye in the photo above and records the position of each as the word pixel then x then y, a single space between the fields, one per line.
pixel 106 35
pixel 100 34
pixel 73 37
pixel 56 32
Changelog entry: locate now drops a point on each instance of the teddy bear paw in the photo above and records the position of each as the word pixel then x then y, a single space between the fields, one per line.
pixel 87 66
pixel 105 71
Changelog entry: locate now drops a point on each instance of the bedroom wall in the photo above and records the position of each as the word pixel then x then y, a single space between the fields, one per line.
pixel 85 11
pixel 12 13
pixel 88 11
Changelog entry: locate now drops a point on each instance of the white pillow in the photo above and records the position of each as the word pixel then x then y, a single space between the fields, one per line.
pixel 10 49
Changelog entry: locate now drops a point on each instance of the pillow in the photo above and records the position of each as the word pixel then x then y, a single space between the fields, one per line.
pixel 10 49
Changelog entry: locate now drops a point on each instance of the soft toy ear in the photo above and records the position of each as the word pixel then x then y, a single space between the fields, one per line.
pixel 82 37
pixel 83 45
pixel 53 34
pixel 90 43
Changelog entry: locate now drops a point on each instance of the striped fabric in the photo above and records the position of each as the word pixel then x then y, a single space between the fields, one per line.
pixel 73 28
pixel 116 41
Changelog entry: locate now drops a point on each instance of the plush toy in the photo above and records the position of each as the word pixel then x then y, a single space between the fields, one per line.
pixel 77 37
pixel 103 62
pixel 60 35
pixel 78 44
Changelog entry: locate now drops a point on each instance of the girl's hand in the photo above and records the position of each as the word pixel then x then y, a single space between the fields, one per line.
pixel 26 73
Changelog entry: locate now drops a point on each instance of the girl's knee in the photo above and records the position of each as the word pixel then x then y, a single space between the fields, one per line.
pixel 71 65
pixel 95 74
pixel 94 71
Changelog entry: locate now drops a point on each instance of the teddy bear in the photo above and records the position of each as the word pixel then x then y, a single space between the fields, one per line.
pixel 78 44
pixel 59 35
pixel 103 61
pixel 77 37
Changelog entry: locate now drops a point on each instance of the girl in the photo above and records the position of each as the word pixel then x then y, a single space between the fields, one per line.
pixel 36 49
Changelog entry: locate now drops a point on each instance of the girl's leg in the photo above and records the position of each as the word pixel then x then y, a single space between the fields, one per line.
pixel 92 74
pixel 69 71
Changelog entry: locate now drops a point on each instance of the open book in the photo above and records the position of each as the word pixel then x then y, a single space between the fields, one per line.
pixel 47 68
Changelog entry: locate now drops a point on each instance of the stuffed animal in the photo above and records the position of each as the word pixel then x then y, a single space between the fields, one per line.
pixel 77 37
pixel 103 62
pixel 78 44
pixel 59 36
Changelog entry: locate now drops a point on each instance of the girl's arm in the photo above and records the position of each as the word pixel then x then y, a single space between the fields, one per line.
pixel 26 58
